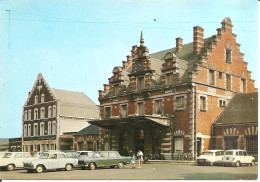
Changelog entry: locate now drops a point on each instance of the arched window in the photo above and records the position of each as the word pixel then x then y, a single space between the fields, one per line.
pixel 54 128
pixel 41 129
pixel 29 130
pixel 49 112
pixel 25 116
pixel 49 128
pixel 42 98
pixel 54 111
pixel 35 129
pixel 42 113
pixel 25 131
pixel 36 99
pixel 35 113
pixel 29 115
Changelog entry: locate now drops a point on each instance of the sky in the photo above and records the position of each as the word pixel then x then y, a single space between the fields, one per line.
pixel 76 44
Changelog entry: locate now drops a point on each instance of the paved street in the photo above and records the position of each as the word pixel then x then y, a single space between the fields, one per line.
pixel 148 171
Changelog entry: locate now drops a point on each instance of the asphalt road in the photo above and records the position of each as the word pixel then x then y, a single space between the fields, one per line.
pixel 148 171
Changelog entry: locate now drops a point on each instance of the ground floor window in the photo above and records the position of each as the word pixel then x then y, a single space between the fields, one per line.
pixel 230 143
pixel 178 145
pixel 251 144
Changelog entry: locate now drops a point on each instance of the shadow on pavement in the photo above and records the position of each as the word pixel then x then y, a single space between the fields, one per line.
pixel 219 176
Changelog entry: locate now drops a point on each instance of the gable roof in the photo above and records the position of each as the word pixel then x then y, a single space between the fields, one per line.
pixel 243 108
pixel 89 130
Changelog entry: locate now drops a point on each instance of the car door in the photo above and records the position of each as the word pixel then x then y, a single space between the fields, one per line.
pixel 62 160
pixel 104 159
pixel 241 157
pixel 246 157
pixel 113 158
pixel 18 160
pixel 53 162
pixel 218 156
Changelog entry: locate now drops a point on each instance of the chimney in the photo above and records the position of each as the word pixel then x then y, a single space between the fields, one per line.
pixel 226 23
pixel 106 88
pixel 198 41
pixel 178 44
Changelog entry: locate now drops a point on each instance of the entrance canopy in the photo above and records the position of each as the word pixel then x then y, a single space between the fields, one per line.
pixel 132 122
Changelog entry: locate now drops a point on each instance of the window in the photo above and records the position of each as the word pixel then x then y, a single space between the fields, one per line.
pixel 25 116
pixel 230 143
pixel 228 55
pixel 113 155
pixel 25 131
pixel 42 129
pixel 158 107
pixel 104 154
pixel 169 79
pixel 108 112
pixel 116 89
pixel 140 109
pixel 203 103
pixel 18 155
pixel 211 77
pixel 29 130
pixel 222 103
pixel 35 113
pixel 36 99
pixel 61 156
pixel 228 82
pixel 178 145
pixel 251 144
pixel 243 82
pixel 49 111
pixel 124 112
pixel 54 131
pixel 219 153
pixel 49 128
pixel 42 98
pixel 54 111
pixel 35 131
pixel 140 83
pixel 29 115
pixel 42 113
pixel 220 75
pixel 180 102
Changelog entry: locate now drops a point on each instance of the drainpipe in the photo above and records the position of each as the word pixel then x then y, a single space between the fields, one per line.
pixel 171 119
pixel 194 136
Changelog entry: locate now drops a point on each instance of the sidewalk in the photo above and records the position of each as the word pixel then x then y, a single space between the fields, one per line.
pixel 180 162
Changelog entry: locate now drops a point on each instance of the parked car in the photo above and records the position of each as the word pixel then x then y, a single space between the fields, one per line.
pixel 104 159
pixel 237 157
pixel 2 154
pixel 210 157
pixel 50 160
pixel 12 160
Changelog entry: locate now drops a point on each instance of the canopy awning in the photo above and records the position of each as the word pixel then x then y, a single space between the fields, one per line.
pixel 132 122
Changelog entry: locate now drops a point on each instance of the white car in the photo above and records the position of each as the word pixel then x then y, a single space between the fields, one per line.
pixel 12 160
pixel 210 157
pixel 237 157
pixel 50 160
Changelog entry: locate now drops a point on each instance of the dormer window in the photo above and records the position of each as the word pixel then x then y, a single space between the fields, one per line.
pixel 123 111
pixel 228 82
pixel 243 84
pixel 140 83
pixel 140 109
pixel 169 78
pixel 211 77
pixel 42 98
pixel 108 112
pixel 36 99
pixel 228 55
pixel 116 89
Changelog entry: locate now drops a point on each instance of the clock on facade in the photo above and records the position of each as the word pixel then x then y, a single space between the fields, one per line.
pixel 139 65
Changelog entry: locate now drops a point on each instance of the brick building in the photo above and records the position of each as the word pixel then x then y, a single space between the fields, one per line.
pixel 237 125
pixel 165 102
pixel 48 113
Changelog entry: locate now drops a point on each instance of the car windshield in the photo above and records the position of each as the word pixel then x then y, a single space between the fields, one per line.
pixel 229 153
pixel 7 155
pixel 207 153
pixel 77 154
pixel 44 156
pixel 1 154
pixel 71 154
pixel 96 155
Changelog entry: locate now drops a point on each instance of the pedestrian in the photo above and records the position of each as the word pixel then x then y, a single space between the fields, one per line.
pixel 133 161
pixel 140 158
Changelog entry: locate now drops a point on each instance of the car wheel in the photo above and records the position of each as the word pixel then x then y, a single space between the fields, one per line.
pixel 120 165
pixel 199 164
pixel 237 164
pixel 112 166
pixel 39 169
pixel 68 167
pixel 92 166
pixel 252 163
pixel 10 167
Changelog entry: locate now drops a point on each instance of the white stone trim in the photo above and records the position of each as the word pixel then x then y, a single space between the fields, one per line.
pixel 206 107
pixel 175 102
pixel 231 132
pixel 253 130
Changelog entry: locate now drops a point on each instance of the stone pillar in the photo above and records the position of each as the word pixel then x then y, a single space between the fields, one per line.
pixel 147 141
pixel 166 144
pixel 115 140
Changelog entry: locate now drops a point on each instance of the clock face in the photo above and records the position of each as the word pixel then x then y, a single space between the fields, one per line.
pixel 139 65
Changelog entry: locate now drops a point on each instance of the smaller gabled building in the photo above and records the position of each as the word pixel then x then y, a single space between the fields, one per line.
pixel 49 113
pixel 237 126
pixel 87 139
